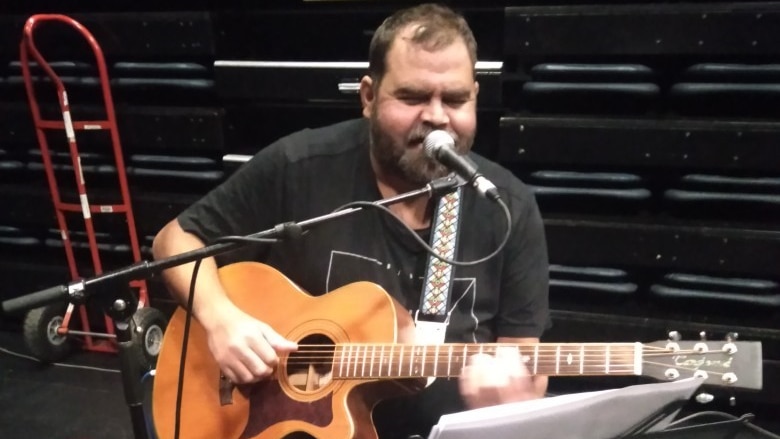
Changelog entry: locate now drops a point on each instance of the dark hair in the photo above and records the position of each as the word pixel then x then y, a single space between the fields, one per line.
pixel 437 27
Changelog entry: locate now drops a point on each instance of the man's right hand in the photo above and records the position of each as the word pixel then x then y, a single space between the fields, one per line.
pixel 246 349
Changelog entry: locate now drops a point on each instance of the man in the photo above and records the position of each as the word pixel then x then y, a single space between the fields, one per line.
pixel 421 78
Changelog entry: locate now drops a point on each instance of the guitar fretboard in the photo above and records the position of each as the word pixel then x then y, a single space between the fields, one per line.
pixel 363 361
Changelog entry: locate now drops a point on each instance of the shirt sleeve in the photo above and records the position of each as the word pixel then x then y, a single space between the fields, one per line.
pixel 524 301
pixel 247 202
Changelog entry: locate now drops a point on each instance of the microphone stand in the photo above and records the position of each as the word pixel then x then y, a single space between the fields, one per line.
pixel 120 304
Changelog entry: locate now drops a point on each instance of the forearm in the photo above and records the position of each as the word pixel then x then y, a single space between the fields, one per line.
pixel 210 297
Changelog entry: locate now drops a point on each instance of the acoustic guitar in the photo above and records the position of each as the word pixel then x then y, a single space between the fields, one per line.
pixel 356 346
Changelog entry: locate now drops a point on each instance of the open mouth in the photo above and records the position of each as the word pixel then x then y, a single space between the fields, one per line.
pixel 416 142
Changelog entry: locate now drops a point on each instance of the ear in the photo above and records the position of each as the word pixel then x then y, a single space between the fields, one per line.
pixel 367 95
pixel 476 88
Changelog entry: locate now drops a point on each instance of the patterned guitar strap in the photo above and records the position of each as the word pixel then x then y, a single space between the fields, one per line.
pixel 432 317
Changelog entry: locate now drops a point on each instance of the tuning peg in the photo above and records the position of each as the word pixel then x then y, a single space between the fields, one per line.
pixel 731 346
pixel 674 337
pixel 732 400
pixel 704 398
pixel 703 335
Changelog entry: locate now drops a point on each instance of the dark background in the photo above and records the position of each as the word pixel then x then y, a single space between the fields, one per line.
pixel 649 131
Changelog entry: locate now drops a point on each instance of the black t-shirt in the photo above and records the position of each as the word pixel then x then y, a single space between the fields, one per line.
pixel 311 173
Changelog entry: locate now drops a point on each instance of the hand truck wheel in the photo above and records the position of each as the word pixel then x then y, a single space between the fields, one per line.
pixel 41 336
pixel 147 339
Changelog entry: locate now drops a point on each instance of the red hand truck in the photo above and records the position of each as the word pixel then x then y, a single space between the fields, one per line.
pixel 47 329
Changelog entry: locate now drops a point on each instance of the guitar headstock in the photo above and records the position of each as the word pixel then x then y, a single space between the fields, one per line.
pixel 726 363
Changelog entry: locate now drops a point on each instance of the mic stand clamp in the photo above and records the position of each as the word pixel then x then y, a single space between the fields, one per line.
pixel 120 304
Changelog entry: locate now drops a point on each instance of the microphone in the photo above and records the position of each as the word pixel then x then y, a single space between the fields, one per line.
pixel 441 146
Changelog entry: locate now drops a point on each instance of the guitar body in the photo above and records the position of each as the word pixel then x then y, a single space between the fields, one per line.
pixel 297 399
pixel 356 346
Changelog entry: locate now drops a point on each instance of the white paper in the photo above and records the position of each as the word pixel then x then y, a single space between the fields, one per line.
pixel 589 415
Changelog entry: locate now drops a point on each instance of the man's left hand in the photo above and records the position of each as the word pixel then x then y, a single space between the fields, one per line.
pixel 496 379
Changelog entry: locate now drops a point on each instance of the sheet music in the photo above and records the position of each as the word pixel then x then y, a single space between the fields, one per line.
pixel 588 415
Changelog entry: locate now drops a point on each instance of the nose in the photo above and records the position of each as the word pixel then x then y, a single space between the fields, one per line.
pixel 435 114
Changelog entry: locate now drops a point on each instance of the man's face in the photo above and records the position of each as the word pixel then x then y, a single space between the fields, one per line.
pixel 421 91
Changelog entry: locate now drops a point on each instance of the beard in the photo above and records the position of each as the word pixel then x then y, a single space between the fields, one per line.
pixel 408 162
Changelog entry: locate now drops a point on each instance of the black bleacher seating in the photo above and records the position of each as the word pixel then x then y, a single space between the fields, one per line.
pixel 588 192
pixel 177 173
pixel 630 143
pixel 648 28
pixel 699 288
pixel 328 32
pixel 587 283
pixel 323 82
pixel 721 89
pixel 753 199
pixel 590 88
pixel 11 168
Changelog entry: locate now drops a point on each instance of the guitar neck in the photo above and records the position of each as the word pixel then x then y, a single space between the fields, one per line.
pixel 367 361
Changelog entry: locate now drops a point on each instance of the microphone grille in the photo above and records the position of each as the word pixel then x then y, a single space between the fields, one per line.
pixel 435 140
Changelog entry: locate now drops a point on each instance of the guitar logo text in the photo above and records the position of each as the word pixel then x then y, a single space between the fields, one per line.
pixel 697 363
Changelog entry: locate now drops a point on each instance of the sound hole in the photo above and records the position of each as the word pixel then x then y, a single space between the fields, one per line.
pixel 310 368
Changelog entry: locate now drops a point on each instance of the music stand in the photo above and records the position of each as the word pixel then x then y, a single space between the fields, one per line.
pixel 604 414
pixel 726 426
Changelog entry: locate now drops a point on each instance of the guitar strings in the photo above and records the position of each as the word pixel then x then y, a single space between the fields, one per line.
pixel 494 346
pixel 418 369
pixel 585 363
pixel 428 356
pixel 564 361
pixel 328 353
